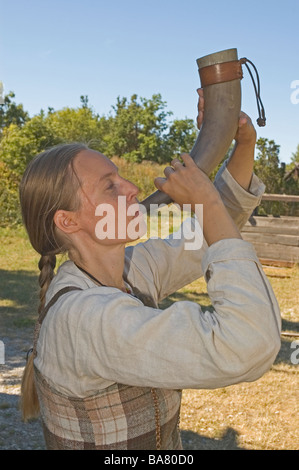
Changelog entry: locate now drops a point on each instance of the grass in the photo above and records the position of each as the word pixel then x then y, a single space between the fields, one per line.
pixel 258 415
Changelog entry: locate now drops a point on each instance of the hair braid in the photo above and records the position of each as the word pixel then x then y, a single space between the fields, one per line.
pixel 48 184
pixel 46 265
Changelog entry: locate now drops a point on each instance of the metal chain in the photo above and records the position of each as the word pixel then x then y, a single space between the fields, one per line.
pixel 157 418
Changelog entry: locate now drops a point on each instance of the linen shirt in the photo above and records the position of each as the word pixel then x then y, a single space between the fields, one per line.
pixel 93 338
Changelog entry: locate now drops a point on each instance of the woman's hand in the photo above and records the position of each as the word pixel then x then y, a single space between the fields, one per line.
pixel 200 107
pixel 246 133
pixel 187 184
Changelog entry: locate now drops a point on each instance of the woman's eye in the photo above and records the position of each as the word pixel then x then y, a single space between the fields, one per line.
pixel 110 186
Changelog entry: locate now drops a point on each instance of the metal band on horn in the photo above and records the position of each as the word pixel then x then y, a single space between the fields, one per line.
pixel 220 75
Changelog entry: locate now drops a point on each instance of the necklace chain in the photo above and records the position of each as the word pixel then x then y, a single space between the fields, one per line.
pixel 96 280
pixel 91 276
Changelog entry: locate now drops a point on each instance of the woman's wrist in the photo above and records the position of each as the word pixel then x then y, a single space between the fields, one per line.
pixel 240 163
pixel 217 223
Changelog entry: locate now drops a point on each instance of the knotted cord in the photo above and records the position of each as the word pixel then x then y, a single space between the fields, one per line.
pixel 261 121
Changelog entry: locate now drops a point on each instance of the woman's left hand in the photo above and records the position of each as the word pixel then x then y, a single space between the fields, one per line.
pixel 246 133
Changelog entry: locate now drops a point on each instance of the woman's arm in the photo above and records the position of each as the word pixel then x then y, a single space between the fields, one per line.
pixel 240 164
pixel 112 336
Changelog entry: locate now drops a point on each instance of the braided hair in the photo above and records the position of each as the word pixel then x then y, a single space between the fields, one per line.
pixel 48 184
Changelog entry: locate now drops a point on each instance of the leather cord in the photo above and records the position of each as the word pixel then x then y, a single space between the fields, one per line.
pixel 261 121
pixel 232 70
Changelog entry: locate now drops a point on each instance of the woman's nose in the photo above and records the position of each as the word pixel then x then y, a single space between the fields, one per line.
pixel 131 190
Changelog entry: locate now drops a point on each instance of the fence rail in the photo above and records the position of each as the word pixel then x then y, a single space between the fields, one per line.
pixel 280 197
pixel 275 239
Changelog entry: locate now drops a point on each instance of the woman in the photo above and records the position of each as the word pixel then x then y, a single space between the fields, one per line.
pixel 108 365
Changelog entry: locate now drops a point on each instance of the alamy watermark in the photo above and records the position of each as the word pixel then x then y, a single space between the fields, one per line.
pixel 122 222
pixel 295 93
pixel 295 354
pixel 2 353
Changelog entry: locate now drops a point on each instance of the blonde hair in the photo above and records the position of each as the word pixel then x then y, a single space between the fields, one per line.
pixel 48 184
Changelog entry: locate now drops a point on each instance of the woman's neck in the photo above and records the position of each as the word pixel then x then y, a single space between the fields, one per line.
pixel 104 263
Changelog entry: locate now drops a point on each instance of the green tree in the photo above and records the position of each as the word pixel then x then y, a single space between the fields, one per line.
pixel 11 113
pixel 136 130
pixel 78 125
pixel 181 137
pixel 267 165
pixel 295 156
pixel 268 168
pixel 20 144
pixel 17 147
pixel 291 178
pixel 139 129
pixel 84 101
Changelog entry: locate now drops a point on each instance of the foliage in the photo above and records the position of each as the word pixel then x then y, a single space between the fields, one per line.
pixel 181 137
pixel 136 130
pixel 295 156
pixel 269 169
pixel 9 201
pixel 267 165
pixel 20 144
pixel 11 113
pixel 139 131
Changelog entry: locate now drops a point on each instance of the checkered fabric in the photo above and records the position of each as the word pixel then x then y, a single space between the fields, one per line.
pixel 119 417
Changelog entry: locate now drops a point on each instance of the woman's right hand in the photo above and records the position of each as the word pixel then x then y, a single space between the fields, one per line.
pixel 187 184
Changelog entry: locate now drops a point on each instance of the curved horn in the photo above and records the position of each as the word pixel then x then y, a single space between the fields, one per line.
pixel 220 75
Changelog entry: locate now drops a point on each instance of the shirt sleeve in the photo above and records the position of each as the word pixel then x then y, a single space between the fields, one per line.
pixel 161 267
pixel 239 203
pixel 119 339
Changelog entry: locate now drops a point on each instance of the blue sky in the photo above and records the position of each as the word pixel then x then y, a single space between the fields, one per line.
pixel 53 51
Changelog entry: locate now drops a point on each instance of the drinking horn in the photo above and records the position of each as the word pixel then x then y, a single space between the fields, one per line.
pixel 220 75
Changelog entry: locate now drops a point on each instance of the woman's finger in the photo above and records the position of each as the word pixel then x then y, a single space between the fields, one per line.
pixel 200 107
pixel 199 119
pixel 176 164
pixel 244 119
pixel 188 160
pixel 168 170
pixel 200 92
pixel 159 182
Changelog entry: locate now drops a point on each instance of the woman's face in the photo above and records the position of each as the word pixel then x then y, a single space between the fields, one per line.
pixel 109 208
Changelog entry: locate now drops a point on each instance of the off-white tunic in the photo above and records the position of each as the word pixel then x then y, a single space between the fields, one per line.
pixel 99 336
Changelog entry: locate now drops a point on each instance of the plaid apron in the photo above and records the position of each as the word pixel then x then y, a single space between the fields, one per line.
pixel 120 417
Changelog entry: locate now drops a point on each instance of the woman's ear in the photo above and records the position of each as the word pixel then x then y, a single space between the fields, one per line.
pixel 66 221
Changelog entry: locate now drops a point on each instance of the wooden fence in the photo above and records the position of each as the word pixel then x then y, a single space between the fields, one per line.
pixel 275 239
